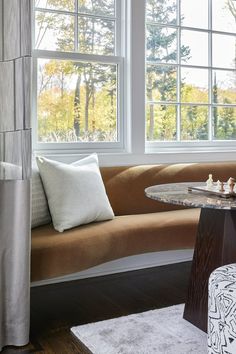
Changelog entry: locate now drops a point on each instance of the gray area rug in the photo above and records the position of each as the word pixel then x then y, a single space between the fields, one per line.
pixel 162 331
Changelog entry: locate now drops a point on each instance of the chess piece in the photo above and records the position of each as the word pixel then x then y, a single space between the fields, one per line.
pixel 229 181
pixel 209 182
pixel 231 184
pixel 222 187
pixel 218 183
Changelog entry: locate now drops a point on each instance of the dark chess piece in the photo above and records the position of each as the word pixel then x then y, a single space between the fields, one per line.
pixel 222 187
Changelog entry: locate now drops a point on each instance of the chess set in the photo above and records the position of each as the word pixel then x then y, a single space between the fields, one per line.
pixel 220 189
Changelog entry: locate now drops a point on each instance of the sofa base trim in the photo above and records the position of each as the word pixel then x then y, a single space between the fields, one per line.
pixel 126 264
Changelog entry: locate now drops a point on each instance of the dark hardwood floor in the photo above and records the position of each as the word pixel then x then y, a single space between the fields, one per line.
pixel 56 308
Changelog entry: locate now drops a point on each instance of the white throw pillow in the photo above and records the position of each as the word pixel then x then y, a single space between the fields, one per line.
pixel 76 193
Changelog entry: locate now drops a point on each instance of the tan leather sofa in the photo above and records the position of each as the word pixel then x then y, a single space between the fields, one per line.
pixel 141 225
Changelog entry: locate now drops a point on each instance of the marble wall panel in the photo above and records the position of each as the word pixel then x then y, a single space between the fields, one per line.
pixel 26 153
pixel 11 29
pixel 7 109
pixel 26 27
pixel 13 155
pixel 1 155
pixel 1 34
pixel 15 25
pixel 19 94
pixel 15 89
pixel 27 91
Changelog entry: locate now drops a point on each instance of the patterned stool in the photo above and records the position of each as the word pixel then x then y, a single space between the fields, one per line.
pixel 222 311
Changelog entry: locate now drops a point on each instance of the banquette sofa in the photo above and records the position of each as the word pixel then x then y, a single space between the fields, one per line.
pixel 141 225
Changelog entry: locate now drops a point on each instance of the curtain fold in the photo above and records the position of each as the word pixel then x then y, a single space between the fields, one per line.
pixel 14 262
pixel 15 170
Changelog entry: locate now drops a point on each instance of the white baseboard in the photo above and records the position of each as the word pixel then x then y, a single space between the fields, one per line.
pixel 142 261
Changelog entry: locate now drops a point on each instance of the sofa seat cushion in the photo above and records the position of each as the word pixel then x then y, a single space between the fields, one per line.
pixel 55 254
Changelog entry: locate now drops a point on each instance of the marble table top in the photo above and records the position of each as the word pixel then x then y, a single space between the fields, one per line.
pixel 177 193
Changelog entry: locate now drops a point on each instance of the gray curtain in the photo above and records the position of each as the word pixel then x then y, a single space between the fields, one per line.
pixel 15 170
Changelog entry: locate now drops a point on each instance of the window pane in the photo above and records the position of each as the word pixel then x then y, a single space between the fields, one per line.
pixel 224 121
pixel 197 45
pixel 54 31
pixel 161 44
pixel 68 5
pixel 224 86
pixel 102 7
pixel 161 83
pixel 161 11
pixel 223 15
pixel 76 101
pixel 161 122
pixel 194 123
pixel 194 85
pixel 222 44
pixel 194 13
pixel 96 36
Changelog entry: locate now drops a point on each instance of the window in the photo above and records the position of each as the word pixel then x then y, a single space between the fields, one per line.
pixel 136 78
pixel 190 71
pixel 78 73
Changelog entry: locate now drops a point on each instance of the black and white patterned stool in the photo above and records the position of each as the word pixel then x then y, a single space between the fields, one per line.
pixel 222 311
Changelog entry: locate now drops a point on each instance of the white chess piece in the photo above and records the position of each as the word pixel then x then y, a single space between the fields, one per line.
pixel 209 182
pixel 229 181
pixel 218 185
pixel 231 185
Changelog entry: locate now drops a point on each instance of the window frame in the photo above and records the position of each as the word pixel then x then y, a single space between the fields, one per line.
pixel 134 149
pixel 116 59
pixel 178 144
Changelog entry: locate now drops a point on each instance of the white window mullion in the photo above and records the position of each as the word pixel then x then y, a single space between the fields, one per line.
pixel 210 95
pixel 178 97
pixel 136 79
pixel 76 21
pixel 106 59
pixel 118 32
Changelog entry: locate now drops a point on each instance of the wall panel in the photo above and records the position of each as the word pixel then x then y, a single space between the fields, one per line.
pixel 1 155
pixel 1 30
pixel 13 148
pixel 26 153
pixel 25 27
pixel 19 94
pixel 11 29
pixel 15 29
pixel 7 109
pixel 27 92
pixel 15 88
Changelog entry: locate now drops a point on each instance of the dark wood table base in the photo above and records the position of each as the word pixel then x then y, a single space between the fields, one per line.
pixel 215 246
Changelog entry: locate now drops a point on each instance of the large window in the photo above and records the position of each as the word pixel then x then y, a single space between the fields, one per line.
pixel 135 78
pixel 190 70
pixel 78 66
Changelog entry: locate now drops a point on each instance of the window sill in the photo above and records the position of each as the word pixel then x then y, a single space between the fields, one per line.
pixel 168 155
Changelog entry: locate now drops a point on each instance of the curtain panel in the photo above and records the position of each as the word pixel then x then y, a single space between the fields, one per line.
pixel 15 170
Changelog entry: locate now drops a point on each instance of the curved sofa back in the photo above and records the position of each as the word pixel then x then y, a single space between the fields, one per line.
pixel 125 185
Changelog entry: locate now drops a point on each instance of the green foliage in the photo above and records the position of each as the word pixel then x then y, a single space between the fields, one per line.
pixel 161 48
pixel 226 122
pixel 161 85
pixel 78 100
pixel 57 110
